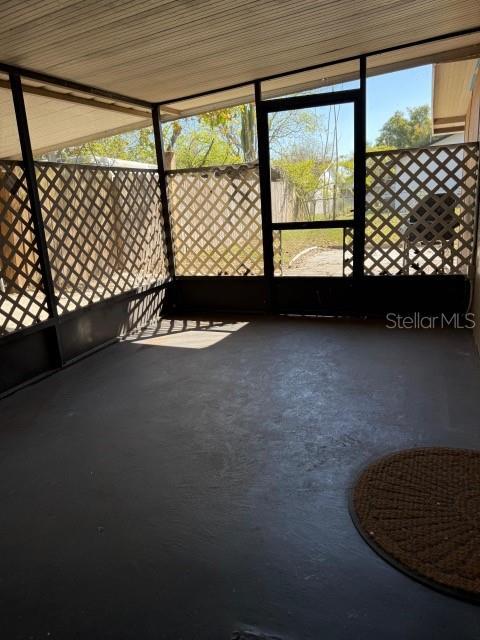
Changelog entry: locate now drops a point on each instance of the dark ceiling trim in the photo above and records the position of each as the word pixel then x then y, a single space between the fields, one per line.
pixel 75 99
pixel 73 86
pixel 446 36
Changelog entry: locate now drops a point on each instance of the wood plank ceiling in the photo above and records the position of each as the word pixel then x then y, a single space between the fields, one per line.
pixel 452 93
pixel 160 50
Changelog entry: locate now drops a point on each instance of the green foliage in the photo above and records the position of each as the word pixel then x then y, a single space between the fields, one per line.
pixel 403 131
pixel 202 148
pixel 138 146
pixel 223 136
pixel 232 132
pixel 287 126
pixel 235 127
pixel 304 173
pixel 310 176
pixel 143 148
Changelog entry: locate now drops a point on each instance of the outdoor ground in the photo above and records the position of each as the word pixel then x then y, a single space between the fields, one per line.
pixel 193 481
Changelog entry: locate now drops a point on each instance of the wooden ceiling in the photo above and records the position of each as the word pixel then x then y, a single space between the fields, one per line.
pixel 452 92
pixel 159 50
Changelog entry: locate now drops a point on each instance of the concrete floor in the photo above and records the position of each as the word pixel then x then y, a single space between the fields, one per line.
pixel 193 481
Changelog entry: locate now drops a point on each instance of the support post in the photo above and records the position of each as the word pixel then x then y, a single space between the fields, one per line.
pixel 265 195
pixel 35 207
pixel 162 183
pixel 360 173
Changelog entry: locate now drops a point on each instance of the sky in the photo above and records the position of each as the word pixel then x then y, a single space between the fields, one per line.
pixel 395 92
pixel 385 95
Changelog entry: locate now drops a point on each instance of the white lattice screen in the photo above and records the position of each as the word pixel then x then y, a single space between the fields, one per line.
pixel 22 298
pixel 103 229
pixel 216 220
pixel 420 210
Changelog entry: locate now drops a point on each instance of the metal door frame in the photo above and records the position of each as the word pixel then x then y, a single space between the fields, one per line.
pixel 263 107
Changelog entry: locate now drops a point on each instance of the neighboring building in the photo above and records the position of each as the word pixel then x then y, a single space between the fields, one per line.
pixel 456 110
pixel 456 98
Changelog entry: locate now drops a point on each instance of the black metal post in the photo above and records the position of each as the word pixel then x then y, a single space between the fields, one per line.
pixel 35 207
pixel 162 183
pixel 265 195
pixel 360 174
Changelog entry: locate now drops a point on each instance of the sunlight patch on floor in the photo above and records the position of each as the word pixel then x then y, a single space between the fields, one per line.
pixel 191 338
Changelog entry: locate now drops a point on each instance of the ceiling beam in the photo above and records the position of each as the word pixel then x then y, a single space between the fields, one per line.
pixel 70 84
pixel 455 129
pixel 70 97
pixel 449 120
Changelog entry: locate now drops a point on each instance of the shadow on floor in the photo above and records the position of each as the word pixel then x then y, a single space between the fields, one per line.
pixel 175 492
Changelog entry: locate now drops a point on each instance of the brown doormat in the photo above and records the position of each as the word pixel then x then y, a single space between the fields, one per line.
pixel 420 510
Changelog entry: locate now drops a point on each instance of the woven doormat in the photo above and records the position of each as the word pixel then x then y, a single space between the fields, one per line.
pixel 420 510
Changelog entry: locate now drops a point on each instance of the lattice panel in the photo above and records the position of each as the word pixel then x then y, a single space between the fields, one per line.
pixel 277 252
pixel 104 231
pixel 420 210
pixel 22 298
pixel 216 221
pixel 348 251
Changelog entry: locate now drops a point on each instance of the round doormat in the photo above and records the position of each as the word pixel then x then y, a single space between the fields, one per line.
pixel 420 510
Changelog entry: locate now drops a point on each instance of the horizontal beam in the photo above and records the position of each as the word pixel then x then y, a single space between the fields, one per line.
pixel 314 224
pixel 70 97
pixel 212 168
pixel 313 100
pixel 97 167
pixel 449 129
pixel 74 86
pixel 449 120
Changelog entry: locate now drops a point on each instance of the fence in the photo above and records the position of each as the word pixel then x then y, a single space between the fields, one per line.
pixel 103 229
pixel 325 204
pixel 420 210
pixel 104 236
pixel 104 232
pixel 216 220
pixel 22 298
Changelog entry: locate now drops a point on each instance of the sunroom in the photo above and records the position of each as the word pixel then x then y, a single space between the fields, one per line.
pixel 268 212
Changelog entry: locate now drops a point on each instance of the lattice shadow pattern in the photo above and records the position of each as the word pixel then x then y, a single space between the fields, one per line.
pixel 216 221
pixel 104 231
pixel 22 298
pixel 420 210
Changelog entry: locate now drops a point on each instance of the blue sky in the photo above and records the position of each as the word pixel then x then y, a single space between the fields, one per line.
pixel 395 92
pixel 385 95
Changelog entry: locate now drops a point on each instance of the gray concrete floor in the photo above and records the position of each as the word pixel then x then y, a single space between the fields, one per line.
pixel 193 481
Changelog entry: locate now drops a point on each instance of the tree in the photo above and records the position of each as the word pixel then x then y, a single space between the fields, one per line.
pixel 231 133
pixel 235 126
pixel 137 145
pixel 199 148
pixel 318 179
pixel 303 175
pixel 224 136
pixel 402 131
